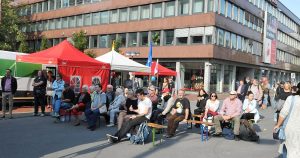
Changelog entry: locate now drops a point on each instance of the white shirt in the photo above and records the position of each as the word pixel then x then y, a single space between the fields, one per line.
pixel 214 106
pixel 144 105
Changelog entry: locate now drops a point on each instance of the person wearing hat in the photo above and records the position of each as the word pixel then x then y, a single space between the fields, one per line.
pixel 231 111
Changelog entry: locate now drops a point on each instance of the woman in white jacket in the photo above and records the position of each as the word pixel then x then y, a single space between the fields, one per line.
pixel 249 106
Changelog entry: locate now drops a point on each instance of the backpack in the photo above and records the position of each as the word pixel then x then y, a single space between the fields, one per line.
pixel 247 132
pixel 142 135
pixel 228 133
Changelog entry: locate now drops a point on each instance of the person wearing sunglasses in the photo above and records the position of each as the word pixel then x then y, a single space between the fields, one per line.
pixel 211 108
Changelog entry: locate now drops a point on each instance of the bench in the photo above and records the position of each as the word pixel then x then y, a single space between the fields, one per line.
pixel 155 126
pixel 203 129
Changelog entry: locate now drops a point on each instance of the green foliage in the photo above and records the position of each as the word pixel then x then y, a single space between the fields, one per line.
pixel 44 43
pixel 90 53
pixel 118 43
pixel 23 47
pixel 156 38
pixel 80 40
pixel 10 26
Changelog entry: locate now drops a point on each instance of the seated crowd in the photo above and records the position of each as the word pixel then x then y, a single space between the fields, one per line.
pixel 127 108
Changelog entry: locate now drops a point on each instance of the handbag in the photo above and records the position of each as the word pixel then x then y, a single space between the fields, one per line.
pixel 279 134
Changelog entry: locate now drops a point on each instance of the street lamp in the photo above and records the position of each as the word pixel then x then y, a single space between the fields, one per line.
pixel 132 54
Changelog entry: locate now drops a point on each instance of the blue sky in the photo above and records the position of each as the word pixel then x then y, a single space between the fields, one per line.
pixel 293 6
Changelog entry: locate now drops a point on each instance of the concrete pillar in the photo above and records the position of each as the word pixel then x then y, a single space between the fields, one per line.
pixel 207 68
pixel 221 81
pixel 233 78
pixel 181 73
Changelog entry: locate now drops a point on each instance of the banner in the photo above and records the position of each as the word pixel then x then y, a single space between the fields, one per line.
pixel 270 39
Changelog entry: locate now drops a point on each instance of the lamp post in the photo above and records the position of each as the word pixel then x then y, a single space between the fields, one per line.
pixel 132 54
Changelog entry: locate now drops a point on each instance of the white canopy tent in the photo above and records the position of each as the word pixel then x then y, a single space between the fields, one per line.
pixel 119 62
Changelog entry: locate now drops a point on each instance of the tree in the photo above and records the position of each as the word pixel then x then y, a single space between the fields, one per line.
pixel 80 40
pixel 10 26
pixel 23 47
pixel 90 53
pixel 117 45
pixel 44 43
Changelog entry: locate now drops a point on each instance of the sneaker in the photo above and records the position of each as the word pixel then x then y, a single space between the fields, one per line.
pixel 217 135
pixel 111 138
pixel 169 136
pixel 110 125
pixel 42 115
pixel 34 114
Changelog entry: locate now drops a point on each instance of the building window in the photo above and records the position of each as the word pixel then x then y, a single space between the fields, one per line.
pixel 45 6
pixel 170 8
pixel 111 38
pixel 182 40
pixel 96 18
pixel 155 36
pixel 197 39
pixel 145 12
pixel 144 39
pixel 132 40
pixel 65 22
pixel 94 41
pixel 72 21
pixel 123 15
pixel 79 20
pixel 239 42
pixel 65 3
pixel 233 41
pixel 51 24
pixel 235 13
pixel 134 13
pixel 222 7
pixel 87 1
pixel 241 16
pixel 198 6
pixel 122 37
pixel 51 5
pixel 220 41
pixel 183 7
pixel 104 17
pixel 114 16
pixel 103 41
pixel 39 26
pixel 247 18
pixel 87 19
pixel 58 23
pixel 210 5
pixel 58 4
pixel 227 39
pixel 39 7
pixel 45 23
pixel 157 10
pixel 79 2
pixel 209 39
pixel 71 3
pixel 169 37
pixel 229 9
pixel 34 8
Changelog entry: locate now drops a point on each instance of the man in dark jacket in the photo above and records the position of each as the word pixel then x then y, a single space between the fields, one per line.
pixel 242 90
pixel 9 87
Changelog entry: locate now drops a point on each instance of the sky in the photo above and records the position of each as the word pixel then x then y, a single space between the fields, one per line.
pixel 293 6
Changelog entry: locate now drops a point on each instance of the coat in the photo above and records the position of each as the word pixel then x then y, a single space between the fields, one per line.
pixel 14 84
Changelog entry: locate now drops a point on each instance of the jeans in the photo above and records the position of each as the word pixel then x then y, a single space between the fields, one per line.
pixel 39 101
pixel 129 125
pixel 91 116
pixel 10 96
pixel 56 102
pixel 112 114
pixel 284 152
pixel 65 106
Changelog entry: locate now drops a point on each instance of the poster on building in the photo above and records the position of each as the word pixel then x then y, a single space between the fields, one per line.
pixel 270 31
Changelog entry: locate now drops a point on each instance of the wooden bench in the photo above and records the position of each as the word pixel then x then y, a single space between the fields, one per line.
pixel 203 129
pixel 155 126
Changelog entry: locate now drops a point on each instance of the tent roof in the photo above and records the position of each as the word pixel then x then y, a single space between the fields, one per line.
pixel 62 54
pixel 122 63
pixel 9 55
pixel 162 71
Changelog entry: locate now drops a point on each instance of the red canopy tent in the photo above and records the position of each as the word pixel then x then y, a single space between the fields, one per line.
pixel 74 65
pixel 162 71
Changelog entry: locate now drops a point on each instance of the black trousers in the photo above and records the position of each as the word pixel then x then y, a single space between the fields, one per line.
pixel 127 126
pixel 39 101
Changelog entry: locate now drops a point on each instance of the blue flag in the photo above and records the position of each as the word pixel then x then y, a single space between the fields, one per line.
pixel 149 61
